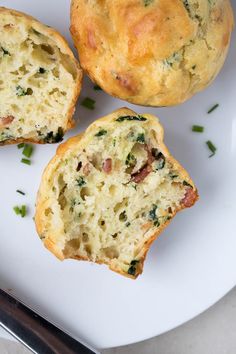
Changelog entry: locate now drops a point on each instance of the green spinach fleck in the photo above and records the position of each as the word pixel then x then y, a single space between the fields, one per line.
pixel 101 132
pixel 174 58
pixel 212 2
pixel 160 158
pixel 152 216
pixel 42 70
pixel 59 135
pixel 173 175
pixel 141 138
pixel 132 270
pixel 80 181
pixel 73 203
pixel 186 5
pixel 152 212
pixel 123 216
pixel 54 138
pixel 134 262
pixel 5 52
pixel 133 267
pixel 185 183
pixel 147 2
pixel 156 223
pixel 5 135
pixel 20 91
pixel 131 160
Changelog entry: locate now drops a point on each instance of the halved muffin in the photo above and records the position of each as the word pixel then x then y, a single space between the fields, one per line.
pixel 40 81
pixel 108 193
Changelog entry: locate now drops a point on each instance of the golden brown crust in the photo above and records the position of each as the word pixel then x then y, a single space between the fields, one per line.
pixel 41 204
pixel 156 55
pixel 63 45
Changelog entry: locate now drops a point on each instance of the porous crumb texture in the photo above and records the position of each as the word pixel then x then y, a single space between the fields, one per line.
pixel 40 80
pixel 107 194
pixel 152 52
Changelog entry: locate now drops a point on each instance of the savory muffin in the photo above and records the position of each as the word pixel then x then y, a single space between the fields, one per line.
pixel 40 81
pixel 108 193
pixel 152 52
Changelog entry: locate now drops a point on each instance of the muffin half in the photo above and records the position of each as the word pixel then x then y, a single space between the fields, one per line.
pixel 40 81
pixel 108 193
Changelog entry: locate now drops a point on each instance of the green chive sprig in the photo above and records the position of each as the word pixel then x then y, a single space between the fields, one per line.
pixel 28 150
pixel 20 192
pixel 20 146
pixel 211 147
pixel 213 108
pixel 26 161
pixel 88 103
pixel 197 129
pixel 20 210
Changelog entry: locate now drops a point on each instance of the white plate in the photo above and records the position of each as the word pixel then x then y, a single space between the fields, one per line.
pixel 192 264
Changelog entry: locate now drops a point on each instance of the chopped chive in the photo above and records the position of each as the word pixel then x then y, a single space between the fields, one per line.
pixel 213 108
pixel 97 88
pixel 197 129
pixel 88 103
pixel 20 192
pixel 23 211
pixel 26 161
pixel 28 150
pixel 20 210
pixel 16 210
pixel 20 146
pixel 211 147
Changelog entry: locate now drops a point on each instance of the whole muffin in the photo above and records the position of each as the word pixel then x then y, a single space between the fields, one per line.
pixel 152 52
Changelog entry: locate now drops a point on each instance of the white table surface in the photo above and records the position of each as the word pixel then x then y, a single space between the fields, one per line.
pixel 213 332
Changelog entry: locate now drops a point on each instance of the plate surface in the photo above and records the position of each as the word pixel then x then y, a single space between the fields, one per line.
pixel 191 265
